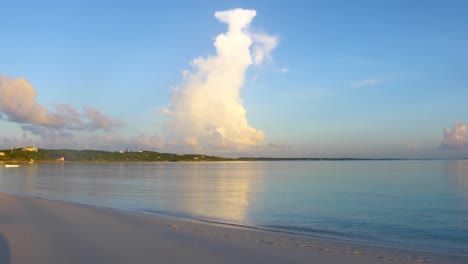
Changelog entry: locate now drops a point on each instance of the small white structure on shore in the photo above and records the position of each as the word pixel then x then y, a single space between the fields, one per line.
pixel 2 153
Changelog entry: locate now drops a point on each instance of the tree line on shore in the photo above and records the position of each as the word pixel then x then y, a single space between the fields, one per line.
pixel 33 155
pixel 69 155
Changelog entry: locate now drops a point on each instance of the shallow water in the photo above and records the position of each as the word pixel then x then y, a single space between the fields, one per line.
pixel 415 204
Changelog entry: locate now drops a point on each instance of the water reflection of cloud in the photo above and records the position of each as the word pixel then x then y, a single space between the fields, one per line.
pixel 222 191
pixel 457 170
pixel 31 178
pixel 214 191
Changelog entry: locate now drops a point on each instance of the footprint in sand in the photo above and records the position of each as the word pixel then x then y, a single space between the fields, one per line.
pixel 385 258
pixel 422 260
pixel 305 245
pixel 268 242
pixel 327 250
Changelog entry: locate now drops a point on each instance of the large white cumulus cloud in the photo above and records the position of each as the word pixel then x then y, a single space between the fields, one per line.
pixel 206 110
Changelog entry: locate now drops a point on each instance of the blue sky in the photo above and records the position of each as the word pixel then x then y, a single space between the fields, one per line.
pixel 358 79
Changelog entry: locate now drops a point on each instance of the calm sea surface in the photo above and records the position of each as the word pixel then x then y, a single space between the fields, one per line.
pixel 416 204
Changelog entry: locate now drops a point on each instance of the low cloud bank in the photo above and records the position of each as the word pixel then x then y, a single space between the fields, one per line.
pixel 54 128
pixel 18 104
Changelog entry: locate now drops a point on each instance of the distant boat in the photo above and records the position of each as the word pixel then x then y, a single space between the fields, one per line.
pixel 11 165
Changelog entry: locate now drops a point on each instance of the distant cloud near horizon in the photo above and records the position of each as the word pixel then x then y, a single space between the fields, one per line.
pixel 18 104
pixel 456 137
pixel 53 128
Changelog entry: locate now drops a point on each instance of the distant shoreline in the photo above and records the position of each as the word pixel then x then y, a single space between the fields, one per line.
pixel 22 156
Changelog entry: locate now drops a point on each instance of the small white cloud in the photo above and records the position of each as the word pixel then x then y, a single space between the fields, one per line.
pixel 95 120
pixel 262 46
pixel 166 111
pixel 284 70
pixel 185 73
pixel 364 82
pixel 457 137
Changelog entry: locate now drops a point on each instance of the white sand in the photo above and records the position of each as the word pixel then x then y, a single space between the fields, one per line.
pixel 42 231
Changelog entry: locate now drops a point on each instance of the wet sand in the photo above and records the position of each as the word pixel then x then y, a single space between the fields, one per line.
pixel 35 230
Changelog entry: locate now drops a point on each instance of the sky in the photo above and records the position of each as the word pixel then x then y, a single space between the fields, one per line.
pixel 364 79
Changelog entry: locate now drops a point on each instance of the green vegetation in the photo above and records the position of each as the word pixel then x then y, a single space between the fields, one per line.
pixel 69 155
pixel 46 155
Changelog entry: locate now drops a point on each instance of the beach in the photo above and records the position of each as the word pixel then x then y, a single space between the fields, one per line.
pixel 34 230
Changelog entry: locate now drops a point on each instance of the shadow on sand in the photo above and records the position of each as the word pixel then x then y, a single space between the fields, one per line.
pixel 4 251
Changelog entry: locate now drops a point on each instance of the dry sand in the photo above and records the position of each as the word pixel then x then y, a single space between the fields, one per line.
pixel 42 231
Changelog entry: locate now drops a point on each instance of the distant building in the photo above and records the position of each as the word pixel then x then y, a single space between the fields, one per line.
pixel 61 159
pixel 2 153
pixel 30 148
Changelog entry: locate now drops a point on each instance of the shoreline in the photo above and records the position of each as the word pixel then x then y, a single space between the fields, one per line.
pixel 339 239
pixel 186 218
pixel 39 155
pixel 2 163
pixel 37 230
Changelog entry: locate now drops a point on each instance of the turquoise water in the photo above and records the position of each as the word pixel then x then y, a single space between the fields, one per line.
pixel 415 204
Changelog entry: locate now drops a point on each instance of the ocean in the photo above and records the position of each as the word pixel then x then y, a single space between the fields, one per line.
pixel 420 204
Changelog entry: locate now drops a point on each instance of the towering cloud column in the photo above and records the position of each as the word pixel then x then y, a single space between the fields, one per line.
pixel 206 111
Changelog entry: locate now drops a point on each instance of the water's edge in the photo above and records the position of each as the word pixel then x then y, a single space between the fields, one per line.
pixel 168 215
